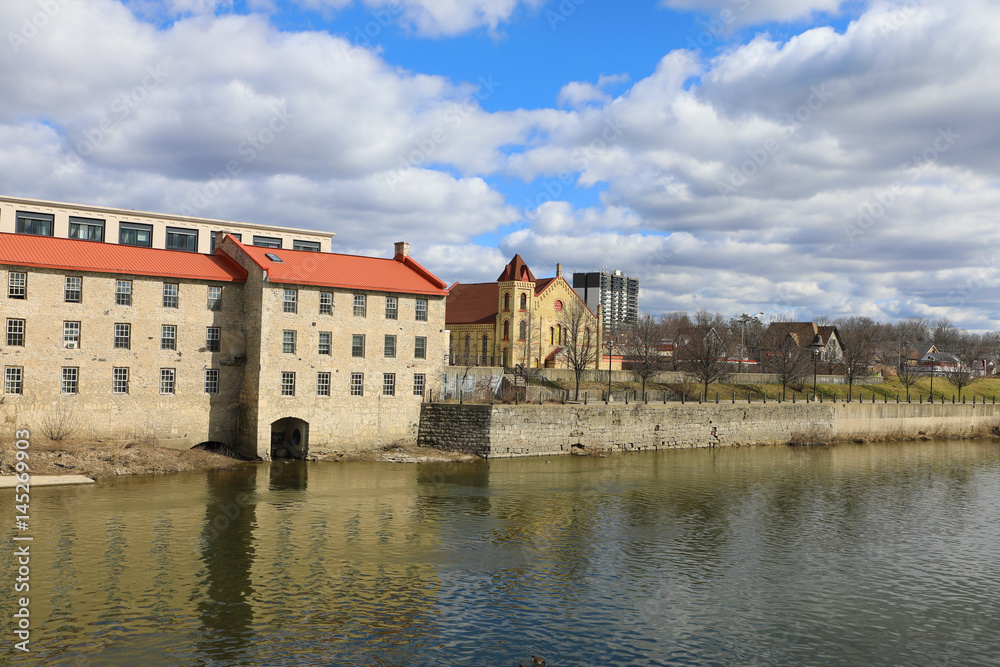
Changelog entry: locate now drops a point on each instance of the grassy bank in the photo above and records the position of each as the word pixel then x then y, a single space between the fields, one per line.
pixel 987 389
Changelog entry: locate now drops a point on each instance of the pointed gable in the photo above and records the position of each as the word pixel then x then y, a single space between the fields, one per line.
pixel 517 270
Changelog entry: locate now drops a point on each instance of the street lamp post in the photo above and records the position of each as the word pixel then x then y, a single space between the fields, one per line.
pixel 611 345
pixel 815 362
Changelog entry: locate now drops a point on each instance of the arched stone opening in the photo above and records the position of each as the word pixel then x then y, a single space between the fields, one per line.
pixel 289 438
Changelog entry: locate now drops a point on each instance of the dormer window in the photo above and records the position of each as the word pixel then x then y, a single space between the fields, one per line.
pixel 274 258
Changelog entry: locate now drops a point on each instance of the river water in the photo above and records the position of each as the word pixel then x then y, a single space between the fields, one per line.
pixel 852 555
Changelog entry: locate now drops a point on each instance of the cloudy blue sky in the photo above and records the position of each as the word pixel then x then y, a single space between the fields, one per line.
pixel 796 157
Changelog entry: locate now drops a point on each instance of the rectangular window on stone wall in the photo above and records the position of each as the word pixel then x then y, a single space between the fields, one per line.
pixel 419 381
pixel 390 346
pixel 421 310
pixel 326 303
pixel 213 339
pixel 168 337
pixel 288 384
pixel 123 292
pixel 325 342
pixel 358 345
pixel 214 297
pixel 322 384
pixel 71 335
pixel 119 381
pixel 420 347
pixel 15 332
pixel 70 379
pixel 123 336
pixel 17 285
pixel 167 377
pixel 288 341
pixel 13 380
pixel 391 308
pixel 74 289
pixel 291 302
pixel 388 384
pixel 170 295
pixel 357 384
pixel 360 306
pixel 212 381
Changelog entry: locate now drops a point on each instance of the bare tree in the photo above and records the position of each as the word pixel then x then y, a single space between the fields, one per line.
pixel 860 337
pixel 676 327
pixel 968 349
pixel 705 351
pixel 749 330
pixel 641 345
pixel 782 356
pixel 581 345
pixel 906 373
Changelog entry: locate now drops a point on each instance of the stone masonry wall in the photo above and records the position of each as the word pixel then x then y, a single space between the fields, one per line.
pixel 535 430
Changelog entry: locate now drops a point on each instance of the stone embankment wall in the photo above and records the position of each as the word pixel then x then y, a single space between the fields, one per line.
pixel 536 430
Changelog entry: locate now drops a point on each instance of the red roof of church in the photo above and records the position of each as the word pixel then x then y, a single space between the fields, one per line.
pixel 472 304
pixel 516 270
pixel 302 267
pixel 76 255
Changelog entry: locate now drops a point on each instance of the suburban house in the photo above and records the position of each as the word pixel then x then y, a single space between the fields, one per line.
pixel 807 337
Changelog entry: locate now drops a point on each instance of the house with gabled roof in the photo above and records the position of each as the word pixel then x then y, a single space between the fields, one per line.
pixel 517 319
pixel 807 336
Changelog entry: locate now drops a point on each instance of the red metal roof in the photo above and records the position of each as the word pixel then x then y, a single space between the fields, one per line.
pixel 476 303
pixel 75 255
pixel 302 267
pixel 517 269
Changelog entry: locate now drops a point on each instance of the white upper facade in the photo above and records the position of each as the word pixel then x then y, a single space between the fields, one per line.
pixel 139 228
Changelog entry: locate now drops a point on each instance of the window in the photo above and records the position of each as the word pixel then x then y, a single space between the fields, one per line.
pixel 391 308
pixel 291 303
pixel 288 341
pixel 170 292
pixel 212 381
pixel 325 342
pixel 522 330
pixel 557 306
pixel 182 239
pixel 524 301
pixel 13 379
pixel 359 305
pixel 71 335
pixel 38 224
pixel 17 285
pixel 70 379
pixel 168 337
pixel 485 349
pixel 357 384
pixel 123 292
pixel 326 303
pixel 274 258
pixel 267 241
pixel 506 300
pixel 358 345
pixel 213 339
pixel 119 381
pixel 390 346
pixel 506 329
pixel 214 297
pixel 86 229
pixel 311 246
pixel 167 376
pixel 15 332
pixel 322 384
pixel 130 233
pixel 421 310
pixel 420 347
pixel 419 381
pixel 287 384
pixel 388 384
pixel 123 336
pixel 74 289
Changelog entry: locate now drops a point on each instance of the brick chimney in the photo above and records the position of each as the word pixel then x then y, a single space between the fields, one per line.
pixel 559 270
pixel 402 249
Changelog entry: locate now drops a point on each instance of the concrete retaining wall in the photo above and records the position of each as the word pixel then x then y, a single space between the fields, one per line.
pixel 535 430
